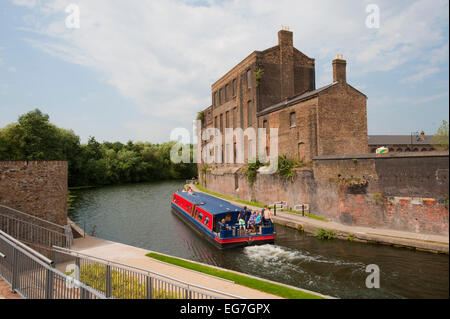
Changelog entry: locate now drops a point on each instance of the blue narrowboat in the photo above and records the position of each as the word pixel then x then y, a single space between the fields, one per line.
pixel 203 212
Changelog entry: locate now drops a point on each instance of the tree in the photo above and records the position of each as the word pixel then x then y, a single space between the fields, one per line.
pixel 440 139
pixel 33 137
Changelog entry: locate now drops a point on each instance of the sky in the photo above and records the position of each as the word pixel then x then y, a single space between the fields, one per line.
pixel 136 70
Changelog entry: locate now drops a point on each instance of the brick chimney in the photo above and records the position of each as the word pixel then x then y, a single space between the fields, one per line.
pixel 339 72
pixel 286 44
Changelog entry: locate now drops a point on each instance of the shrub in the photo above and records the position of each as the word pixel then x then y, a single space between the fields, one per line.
pixel 123 286
pixel 286 167
pixel 251 171
pixel 324 234
pixel 350 237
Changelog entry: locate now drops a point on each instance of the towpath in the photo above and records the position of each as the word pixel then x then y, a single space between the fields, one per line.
pixel 427 242
pixel 135 256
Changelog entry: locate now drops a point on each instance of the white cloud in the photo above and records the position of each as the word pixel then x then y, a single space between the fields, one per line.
pixel 422 100
pixel 421 75
pixel 26 3
pixel 164 54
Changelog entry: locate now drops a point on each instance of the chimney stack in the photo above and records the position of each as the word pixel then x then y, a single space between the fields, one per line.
pixel 339 69
pixel 286 44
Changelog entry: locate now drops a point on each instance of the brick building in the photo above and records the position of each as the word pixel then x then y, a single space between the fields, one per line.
pixel 275 88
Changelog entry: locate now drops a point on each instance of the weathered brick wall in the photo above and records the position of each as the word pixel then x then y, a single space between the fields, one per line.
pixel 38 188
pixel 405 191
pixel 342 121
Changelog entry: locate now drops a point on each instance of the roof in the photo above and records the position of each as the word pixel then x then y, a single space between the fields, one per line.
pixel 209 203
pixel 304 96
pixel 398 139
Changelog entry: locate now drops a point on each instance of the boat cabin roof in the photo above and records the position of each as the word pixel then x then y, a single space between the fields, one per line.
pixel 211 204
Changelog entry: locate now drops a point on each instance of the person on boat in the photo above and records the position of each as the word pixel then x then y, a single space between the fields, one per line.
pixel 246 215
pixel 223 225
pixel 251 221
pixel 241 226
pixel 258 221
pixel 262 213
pixel 267 215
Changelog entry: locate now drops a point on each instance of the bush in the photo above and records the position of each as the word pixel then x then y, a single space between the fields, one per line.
pixel 251 171
pixel 123 286
pixel 324 234
pixel 286 167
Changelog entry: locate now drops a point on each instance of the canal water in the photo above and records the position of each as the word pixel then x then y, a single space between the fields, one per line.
pixel 140 215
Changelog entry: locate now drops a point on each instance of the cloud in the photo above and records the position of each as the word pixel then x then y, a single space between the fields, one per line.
pixel 163 55
pixel 26 3
pixel 423 100
pixel 420 76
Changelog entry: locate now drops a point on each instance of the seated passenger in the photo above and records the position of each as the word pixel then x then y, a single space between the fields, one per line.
pixel 258 221
pixel 223 225
pixel 251 221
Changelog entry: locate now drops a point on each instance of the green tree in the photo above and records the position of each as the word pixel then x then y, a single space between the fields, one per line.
pixel 440 139
pixel 33 137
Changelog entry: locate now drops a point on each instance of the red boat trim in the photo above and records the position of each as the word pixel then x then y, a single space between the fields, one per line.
pixel 244 239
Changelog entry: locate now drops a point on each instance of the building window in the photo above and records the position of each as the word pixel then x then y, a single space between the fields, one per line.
pixel 265 126
pixel 292 119
pixel 215 122
pixel 249 112
pixel 227 119
pixel 235 117
pixel 227 92
pixel 216 101
pixel 249 79
pixel 220 96
pixel 221 123
pixel 234 87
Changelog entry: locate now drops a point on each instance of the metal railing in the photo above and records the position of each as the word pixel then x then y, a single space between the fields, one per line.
pixel 32 275
pixel 119 280
pixel 33 229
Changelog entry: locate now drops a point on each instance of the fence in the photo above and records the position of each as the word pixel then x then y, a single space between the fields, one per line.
pixel 34 230
pixel 118 280
pixel 32 275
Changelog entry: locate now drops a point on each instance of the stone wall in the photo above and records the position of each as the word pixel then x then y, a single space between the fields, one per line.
pixel 403 191
pixel 38 188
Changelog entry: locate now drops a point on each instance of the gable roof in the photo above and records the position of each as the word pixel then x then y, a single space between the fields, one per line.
pixel 304 96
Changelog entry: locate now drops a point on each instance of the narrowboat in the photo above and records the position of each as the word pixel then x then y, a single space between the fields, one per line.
pixel 203 212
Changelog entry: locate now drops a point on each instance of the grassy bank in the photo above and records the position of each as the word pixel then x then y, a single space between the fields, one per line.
pixel 257 284
pixel 256 204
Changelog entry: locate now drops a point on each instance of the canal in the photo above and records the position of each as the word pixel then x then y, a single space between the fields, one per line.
pixel 140 215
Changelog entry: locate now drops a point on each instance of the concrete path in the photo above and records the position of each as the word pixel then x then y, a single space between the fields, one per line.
pixel 433 243
pixel 136 257
pixel 5 291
